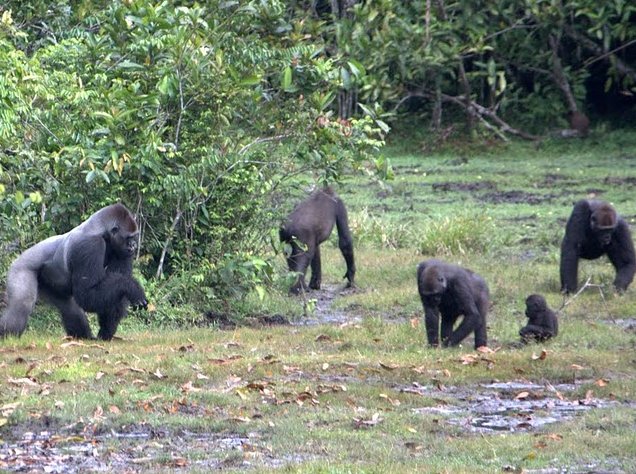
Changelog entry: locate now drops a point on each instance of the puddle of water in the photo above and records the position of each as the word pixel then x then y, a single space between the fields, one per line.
pixel 494 407
pixel 628 324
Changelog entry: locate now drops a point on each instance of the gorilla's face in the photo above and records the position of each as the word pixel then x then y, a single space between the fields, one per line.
pixel 604 236
pixel 123 243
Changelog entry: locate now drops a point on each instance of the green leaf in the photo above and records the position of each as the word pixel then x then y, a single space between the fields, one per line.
pixel 287 79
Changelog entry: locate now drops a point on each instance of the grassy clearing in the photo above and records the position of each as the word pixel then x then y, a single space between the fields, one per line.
pixel 369 396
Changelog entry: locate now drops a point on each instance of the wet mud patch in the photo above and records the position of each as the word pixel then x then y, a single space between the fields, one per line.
pixel 516 197
pixel 323 311
pixel 226 323
pixel 628 324
pixel 509 406
pixel 629 181
pixel 464 187
pixel 141 450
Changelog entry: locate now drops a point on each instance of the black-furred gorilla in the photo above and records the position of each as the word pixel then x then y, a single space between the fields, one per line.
pixel 452 291
pixel 542 321
pixel 595 229
pixel 87 269
pixel 311 223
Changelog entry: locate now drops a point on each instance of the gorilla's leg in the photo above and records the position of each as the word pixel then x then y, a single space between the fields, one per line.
pixel 481 338
pixel 74 319
pixel 345 242
pixel 316 271
pixel 22 293
pixel 110 319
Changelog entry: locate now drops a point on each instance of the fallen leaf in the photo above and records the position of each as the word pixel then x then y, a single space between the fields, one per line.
pixel 22 381
pixel 322 337
pixel 415 323
pixel 522 395
pixel 601 382
pixel 114 410
pixel 389 366
pixel 577 367
pixel 485 350
pixel 158 374
pixel 99 375
pixel 541 356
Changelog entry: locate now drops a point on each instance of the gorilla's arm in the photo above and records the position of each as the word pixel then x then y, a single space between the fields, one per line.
pixel 575 232
pixel 95 288
pixel 462 293
pixel 431 310
pixel 621 253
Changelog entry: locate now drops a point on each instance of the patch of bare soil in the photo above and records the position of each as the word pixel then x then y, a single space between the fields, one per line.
pixel 516 197
pixel 465 187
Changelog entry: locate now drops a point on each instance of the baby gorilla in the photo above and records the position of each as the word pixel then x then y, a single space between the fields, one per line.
pixel 542 321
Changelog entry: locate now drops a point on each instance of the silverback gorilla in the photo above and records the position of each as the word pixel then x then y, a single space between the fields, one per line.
pixel 311 223
pixel 542 321
pixel 452 291
pixel 595 229
pixel 87 269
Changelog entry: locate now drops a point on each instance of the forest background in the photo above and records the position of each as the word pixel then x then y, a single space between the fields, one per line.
pixel 210 119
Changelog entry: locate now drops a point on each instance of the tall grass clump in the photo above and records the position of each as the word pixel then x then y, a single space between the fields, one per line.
pixel 369 229
pixel 459 234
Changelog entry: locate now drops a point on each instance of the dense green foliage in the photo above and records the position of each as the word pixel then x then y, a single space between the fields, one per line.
pixel 200 116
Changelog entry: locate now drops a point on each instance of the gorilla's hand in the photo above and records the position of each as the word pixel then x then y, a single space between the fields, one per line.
pixel 137 297
pixel 142 304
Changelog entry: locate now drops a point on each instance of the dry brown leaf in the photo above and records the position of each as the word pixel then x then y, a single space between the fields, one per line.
pixel 485 350
pixel 99 375
pixel 415 323
pixel 24 381
pixel 577 367
pixel 389 366
pixel 322 337
pixel 157 373
pixel 541 356
pixel 71 344
pixel 114 410
pixel 360 423
pixel 601 382
pixel 522 395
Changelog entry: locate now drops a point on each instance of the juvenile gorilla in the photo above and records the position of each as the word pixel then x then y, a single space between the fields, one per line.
pixel 595 229
pixel 87 269
pixel 542 321
pixel 311 223
pixel 452 291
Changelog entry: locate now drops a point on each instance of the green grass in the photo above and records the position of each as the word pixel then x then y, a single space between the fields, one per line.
pixel 332 398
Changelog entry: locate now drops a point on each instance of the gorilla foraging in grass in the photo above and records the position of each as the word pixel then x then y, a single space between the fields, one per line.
pixel 87 269
pixel 452 291
pixel 310 224
pixel 595 229
pixel 542 321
